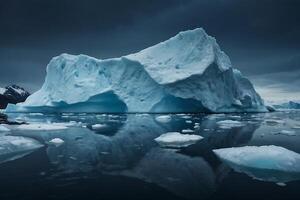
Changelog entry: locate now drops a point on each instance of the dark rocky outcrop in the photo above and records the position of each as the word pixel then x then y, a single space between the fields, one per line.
pixel 12 94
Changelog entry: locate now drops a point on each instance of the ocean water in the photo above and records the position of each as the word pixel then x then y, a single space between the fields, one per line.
pixel 121 160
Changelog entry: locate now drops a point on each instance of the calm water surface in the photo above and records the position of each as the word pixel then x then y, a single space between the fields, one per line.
pixel 123 160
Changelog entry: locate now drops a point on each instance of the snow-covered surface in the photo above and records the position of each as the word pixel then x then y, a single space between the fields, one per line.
pixel 187 73
pixel 14 147
pixel 41 127
pixel 268 163
pixel 175 139
pixel 227 124
pixel 3 128
pixel 163 118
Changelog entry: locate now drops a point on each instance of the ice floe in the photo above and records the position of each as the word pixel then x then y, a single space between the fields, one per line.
pixel 266 163
pixel 176 139
pixel 41 126
pixel 227 124
pixel 56 142
pixel 163 118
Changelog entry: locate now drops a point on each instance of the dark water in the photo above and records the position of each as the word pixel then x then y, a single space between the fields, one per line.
pixel 124 161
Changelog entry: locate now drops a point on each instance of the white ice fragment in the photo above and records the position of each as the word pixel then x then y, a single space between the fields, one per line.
pixel 41 127
pixel 188 121
pixel 175 139
pixel 287 132
pixel 187 131
pixel 56 142
pixel 99 126
pixel 163 118
pixel 267 163
pixel 228 124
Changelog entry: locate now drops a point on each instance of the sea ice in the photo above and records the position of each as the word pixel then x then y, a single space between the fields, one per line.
pixel 267 163
pixel 56 142
pixel 41 127
pixel 175 139
pixel 228 124
pixel 163 118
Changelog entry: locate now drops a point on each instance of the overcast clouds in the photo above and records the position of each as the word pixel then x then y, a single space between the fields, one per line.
pixel 260 36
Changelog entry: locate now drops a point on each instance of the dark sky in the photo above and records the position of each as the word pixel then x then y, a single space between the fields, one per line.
pixel 262 37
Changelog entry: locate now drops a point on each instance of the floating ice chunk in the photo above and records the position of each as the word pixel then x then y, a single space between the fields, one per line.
pixel 3 128
pixel 175 139
pixel 187 131
pixel 188 121
pixel 14 147
pixel 56 142
pixel 99 126
pixel 36 114
pixel 274 122
pixel 296 127
pixel 266 163
pixel 287 132
pixel 227 124
pixel 163 118
pixel 39 127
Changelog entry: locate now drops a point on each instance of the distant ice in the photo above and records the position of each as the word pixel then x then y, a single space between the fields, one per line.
pixel 175 139
pixel 227 124
pixel 267 163
pixel 40 126
pixel 187 131
pixel 163 118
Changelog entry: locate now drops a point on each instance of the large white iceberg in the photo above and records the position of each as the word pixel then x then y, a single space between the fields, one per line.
pixel 267 163
pixel 187 73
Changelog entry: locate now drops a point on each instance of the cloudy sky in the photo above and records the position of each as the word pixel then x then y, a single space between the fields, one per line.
pixel 262 37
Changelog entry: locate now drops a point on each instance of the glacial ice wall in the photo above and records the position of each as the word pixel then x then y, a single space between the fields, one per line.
pixel 187 73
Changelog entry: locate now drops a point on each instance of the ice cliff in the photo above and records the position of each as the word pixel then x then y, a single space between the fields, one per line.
pixel 187 73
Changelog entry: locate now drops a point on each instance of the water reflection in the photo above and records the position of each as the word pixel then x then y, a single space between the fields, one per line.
pixel 128 148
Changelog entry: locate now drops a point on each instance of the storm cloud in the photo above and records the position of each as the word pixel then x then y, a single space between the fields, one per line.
pixel 260 36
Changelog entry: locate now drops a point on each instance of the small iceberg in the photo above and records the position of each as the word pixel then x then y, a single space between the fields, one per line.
pixel 287 133
pixel 99 127
pixel 187 131
pixel 14 147
pixel 163 118
pixel 4 129
pixel 265 163
pixel 56 142
pixel 41 127
pixel 228 124
pixel 177 140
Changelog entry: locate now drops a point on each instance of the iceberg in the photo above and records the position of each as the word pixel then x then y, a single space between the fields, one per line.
pixel 266 163
pixel 175 139
pixel 14 147
pixel 187 73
